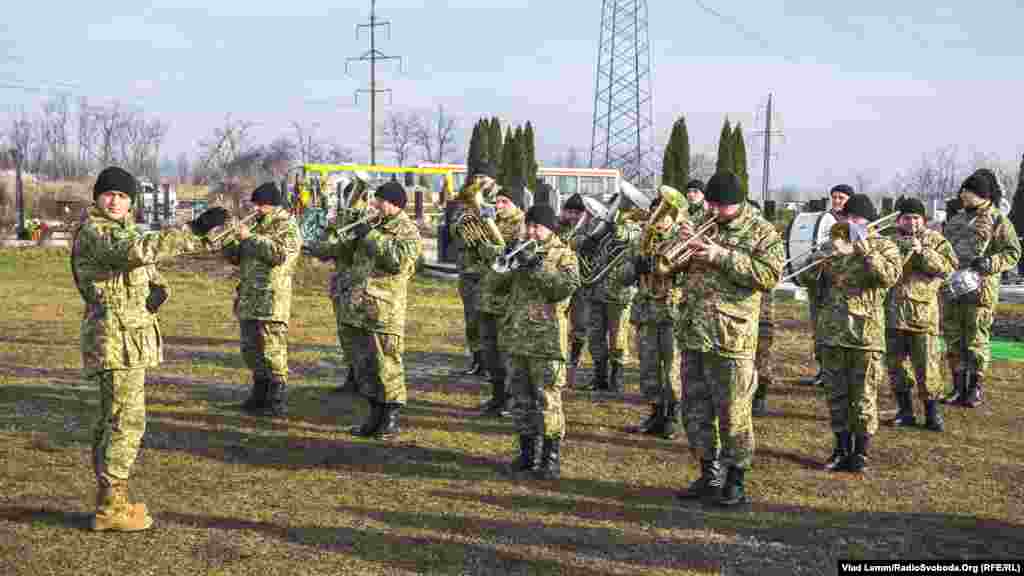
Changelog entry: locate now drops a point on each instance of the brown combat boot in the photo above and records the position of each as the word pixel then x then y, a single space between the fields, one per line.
pixel 114 512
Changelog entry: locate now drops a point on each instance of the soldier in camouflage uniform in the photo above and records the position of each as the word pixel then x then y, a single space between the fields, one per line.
pixel 653 312
pixel 861 271
pixel 113 264
pixel 764 372
pixel 697 207
pixel 573 211
pixel 986 242
pixel 493 304
pixel 374 308
pixel 534 335
pixel 266 254
pixel 912 315
pixel 717 336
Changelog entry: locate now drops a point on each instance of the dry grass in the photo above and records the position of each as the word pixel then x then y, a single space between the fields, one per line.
pixel 233 494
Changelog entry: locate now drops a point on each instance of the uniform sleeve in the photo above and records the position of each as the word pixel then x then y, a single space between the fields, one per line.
pixel 759 269
pixel 883 263
pixel 127 249
pixel 559 280
pixel 1004 250
pixel 393 253
pixel 232 252
pixel 275 248
pixel 490 251
pixel 938 259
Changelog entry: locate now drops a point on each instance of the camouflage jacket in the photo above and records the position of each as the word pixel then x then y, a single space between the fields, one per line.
pixel 721 305
pixel 657 296
pixel 114 263
pixel 852 313
pixel 491 300
pixel 469 260
pixel 984 231
pixel 913 303
pixel 267 260
pixel 330 247
pixel 697 212
pixel 615 287
pixel 536 319
pixel 383 263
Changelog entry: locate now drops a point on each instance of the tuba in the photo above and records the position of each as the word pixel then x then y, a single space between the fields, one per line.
pixel 610 251
pixel 475 228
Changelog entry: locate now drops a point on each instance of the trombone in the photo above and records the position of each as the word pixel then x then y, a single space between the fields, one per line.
pixel 826 245
pixel 507 262
pixel 371 217
pixel 840 232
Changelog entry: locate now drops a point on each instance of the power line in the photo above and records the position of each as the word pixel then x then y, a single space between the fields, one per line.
pixel 746 32
pixel 372 56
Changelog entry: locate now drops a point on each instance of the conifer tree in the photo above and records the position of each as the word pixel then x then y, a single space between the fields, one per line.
pixel 474 156
pixel 739 159
pixel 494 142
pixel 1017 207
pixel 675 165
pixel 725 142
pixel 530 166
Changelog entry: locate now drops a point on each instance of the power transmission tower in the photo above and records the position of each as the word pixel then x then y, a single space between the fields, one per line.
pixel 622 134
pixel 767 133
pixel 372 56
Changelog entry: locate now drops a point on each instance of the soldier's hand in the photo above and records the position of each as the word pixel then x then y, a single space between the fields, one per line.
pixel 527 258
pixel 910 244
pixel 209 220
pixel 842 247
pixel 243 232
pixel 359 231
pixel 982 265
pixel 708 252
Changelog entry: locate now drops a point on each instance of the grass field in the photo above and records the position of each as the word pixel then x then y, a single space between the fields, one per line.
pixel 234 494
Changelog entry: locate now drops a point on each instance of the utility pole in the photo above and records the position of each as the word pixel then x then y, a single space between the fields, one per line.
pixel 372 56
pixel 767 134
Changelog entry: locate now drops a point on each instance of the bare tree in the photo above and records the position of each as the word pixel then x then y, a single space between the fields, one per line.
pixel 436 137
pixel 182 168
pixel 399 131
pixel 53 126
pixel 863 182
pixel 277 156
pixel 337 154
pixel 226 153
pixel 308 147
pixel 86 135
pixel 935 177
pixel 22 135
pixel 109 122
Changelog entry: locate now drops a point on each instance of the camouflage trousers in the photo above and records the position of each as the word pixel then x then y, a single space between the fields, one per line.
pixel 659 364
pixel 763 359
pixel 344 341
pixel 121 424
pixel 967 329
pixel 265 348
pixel 913 360
pixel 469 291
pixel 537 384
pixel 379 368
pixel 852 377
pixel 578 319
pixel 819 344
pixel 490 325
pixel 609 331
pixel 717 395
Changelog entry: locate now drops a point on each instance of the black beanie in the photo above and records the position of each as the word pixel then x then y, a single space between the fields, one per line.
pixel 114 178
pixel 860 205
pixel 267 193
pixel 842 189
pixel 911 206
pixel 980 184
pixel 515 194
pixel 575 202
pixel 393 192
pixel 695 184
pixel 542 214
pixel 724 188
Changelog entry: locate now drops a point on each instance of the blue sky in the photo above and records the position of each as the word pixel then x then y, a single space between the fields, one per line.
pixel 864 87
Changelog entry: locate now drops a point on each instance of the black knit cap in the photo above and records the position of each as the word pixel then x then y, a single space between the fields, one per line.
pixel 575 202
pixel 842 189
pixel 542 214
pixel 695 184
pixel 911 206
pixel 114 178
pixel 980 184
pixel 393 192
pixel 513 193
pixel 267 193
pixel 724 188
pixel 860 205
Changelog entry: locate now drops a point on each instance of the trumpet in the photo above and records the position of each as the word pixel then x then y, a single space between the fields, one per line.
pixel 507 262
pixel 372 218
pixel 673 253
pixel 223 235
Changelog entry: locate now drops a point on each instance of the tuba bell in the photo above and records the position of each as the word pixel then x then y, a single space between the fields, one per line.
pixel 475 228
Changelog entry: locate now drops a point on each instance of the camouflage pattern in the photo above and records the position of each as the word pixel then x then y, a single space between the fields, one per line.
pixel 535 322
pixel 697 212
pixel 615 287
pixel 578 303
pixel 914 361
pixel 608 334
pixel 379 369
pixel 721 302
pixel 510 223
pixel 115 265
pixel 853 376
pixel 537 384
pixel 764 358
pixel 967 321
pixel 469 293
pixel 468 260
pixel 266 261
pixel 717 396
pixel 659 363
pixel 657 296
pixel 264 347
pixel 121 424
pixel 912 304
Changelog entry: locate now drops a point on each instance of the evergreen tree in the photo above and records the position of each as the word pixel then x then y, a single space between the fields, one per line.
pixel 739 159
pixel 725 141
pixel 530 166
pixel 1017 208
pixel 675 165
pixel 474 158
pixel 494 142
pixel 509 165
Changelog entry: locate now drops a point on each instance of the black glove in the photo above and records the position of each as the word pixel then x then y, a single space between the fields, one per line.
pixel 359 231
pixel 209 220
pixel 982 265
pixel 642 265
pixel 527 259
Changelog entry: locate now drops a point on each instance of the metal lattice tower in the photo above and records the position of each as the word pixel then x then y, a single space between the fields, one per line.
pixel 622 135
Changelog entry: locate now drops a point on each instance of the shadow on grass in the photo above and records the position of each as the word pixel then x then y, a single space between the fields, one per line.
pixel 46 516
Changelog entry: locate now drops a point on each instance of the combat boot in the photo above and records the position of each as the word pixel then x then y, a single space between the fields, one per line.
pixel 498 405
pixel 257 396
pixel 529 456
pixel 115 512
pixel 905 415
pixel 373 420
pixel 477 366
pixel 733 492
pixel 959 393
pixel 933 416
pixel 973 386
pixel 349 386
pixel 600 379
pixel 649 424
pixel 859 458
pixel 389 422
pixel 840 459
pixel 669 421
pixel 550 460
pixel 759 406
pixel 614 385
pixel 708 486
pixel 275 405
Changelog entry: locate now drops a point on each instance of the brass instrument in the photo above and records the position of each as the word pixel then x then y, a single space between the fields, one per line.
pixel 507 262
pixel 372 217
pixel 841 230
pixel 610 251
pixel 474 228
pixel 232 229
pixel 673 253
pixel 839 237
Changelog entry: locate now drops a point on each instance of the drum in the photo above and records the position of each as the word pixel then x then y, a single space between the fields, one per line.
pixel 961 283
pixel 807 230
